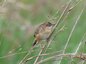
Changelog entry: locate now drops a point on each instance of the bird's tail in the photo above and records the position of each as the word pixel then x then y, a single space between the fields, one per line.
pixel 34 43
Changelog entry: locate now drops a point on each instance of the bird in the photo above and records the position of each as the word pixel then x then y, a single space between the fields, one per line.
pixel 42 32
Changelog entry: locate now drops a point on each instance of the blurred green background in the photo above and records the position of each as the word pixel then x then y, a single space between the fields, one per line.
pixel 19 19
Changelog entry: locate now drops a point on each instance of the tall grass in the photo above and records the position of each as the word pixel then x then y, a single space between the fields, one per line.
pixel 18 20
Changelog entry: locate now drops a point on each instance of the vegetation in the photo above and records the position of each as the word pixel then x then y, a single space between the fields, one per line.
pixel 19 19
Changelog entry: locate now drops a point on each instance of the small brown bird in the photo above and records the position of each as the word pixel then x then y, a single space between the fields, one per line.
pixel 42 32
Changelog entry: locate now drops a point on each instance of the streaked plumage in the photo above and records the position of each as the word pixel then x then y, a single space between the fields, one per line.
pixel 42 32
